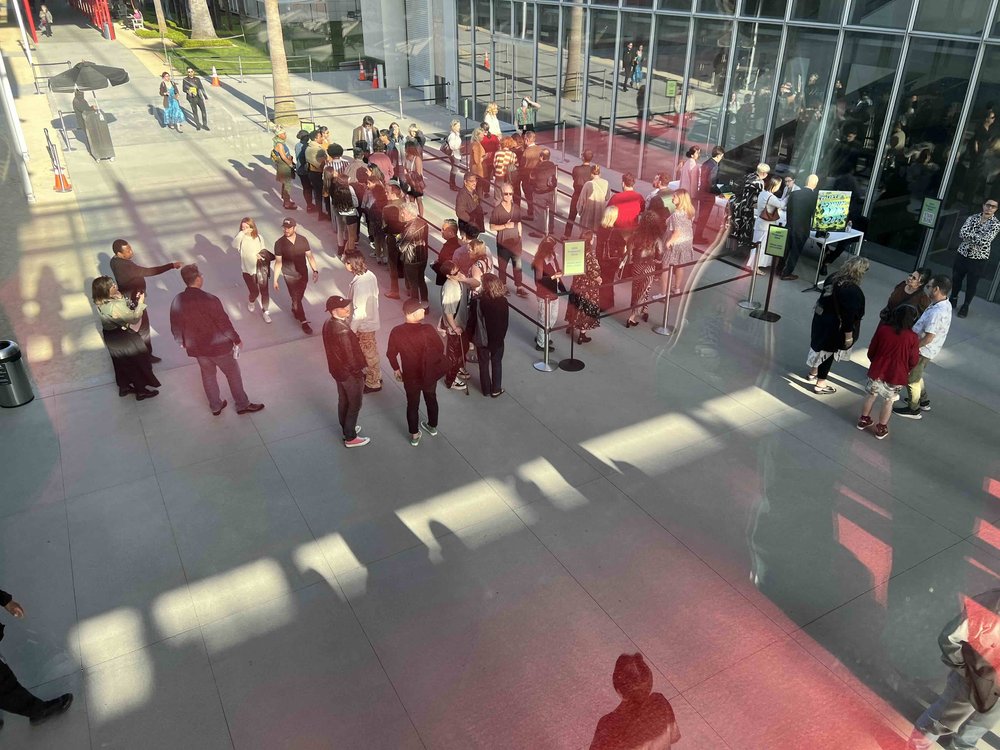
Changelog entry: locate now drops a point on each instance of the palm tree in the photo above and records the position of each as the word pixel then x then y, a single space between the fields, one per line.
pixel 572 85
pixel 201 20
pixel 285 112
pixel 161 17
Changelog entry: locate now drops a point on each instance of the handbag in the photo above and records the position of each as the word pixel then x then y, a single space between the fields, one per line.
pixel 769 213
pixel 446 150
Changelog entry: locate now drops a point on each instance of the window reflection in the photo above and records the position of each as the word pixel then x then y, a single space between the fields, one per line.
pixel 465 54
pixel 664 125
pixel 953 16
pixel 601 79
pixel 824 11
pixel 888 14
pixel 707 83
pixel 574 62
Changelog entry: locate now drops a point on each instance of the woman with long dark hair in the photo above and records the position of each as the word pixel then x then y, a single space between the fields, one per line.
pixel 548 287
pixel 129 356
pixel 492 313
pixel 344 209
pixel 836 321
pixel 643 248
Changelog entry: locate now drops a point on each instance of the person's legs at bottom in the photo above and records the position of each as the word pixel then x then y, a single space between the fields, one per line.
pixel 496 363
pixel 915 383
pixel 252 290
pixel 959 270
pixel 296 291
pixel 392 252
pixel 866 407
pixel 485 382
pixel 14 698
pixel 431 402
pixel 543 322
pixel 349 405
pixel 975 270
pixel 946 715
pixel 823 371
pixel 263 287
pixel 210 382
pixel 369 348
pixel 307 191
pixel 412 390
pixel 231 369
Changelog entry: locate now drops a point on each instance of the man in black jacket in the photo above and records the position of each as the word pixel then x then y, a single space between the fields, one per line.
pixel 131 280
pixel 545 180
pixel 709 191
pixel 581 176
pixel 469 208
pixel 14 698
pixel 202 328
pixel 800 208
pixel 416 354
pixel 346 363
pixel 194 89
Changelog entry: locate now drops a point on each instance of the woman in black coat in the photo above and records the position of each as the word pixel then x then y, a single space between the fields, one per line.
pixel 493 313
pixel 836 322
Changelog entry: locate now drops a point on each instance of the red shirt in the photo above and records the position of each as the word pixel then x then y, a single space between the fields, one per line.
pixel 893 354
pixel 630 205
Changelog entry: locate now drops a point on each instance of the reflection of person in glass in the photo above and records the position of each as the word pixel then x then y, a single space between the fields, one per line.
pixel 643 719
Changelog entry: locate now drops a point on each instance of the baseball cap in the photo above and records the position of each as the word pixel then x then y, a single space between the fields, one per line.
pixel 336 302
pixel 411 306
pixel 289 222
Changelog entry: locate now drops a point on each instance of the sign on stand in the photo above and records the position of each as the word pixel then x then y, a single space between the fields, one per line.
pixel 777 240
pixel 574 257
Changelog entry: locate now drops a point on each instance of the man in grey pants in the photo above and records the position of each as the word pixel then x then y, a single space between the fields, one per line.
pixel 202 328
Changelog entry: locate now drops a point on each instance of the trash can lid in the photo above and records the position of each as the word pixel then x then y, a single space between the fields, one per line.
pixel 9 351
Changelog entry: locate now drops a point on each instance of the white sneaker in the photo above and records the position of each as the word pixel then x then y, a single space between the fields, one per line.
pixel 251 307
pixel 267 317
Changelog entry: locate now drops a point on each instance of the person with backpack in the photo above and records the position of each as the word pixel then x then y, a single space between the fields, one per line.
pixel 416 355
pixel 894 351
pixel 302 169
pixel 284 165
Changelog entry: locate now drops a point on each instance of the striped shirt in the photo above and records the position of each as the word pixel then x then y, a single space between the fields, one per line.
pixel 502 160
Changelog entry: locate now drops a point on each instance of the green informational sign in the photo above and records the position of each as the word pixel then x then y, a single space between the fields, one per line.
pixel 671 88
pixel 574 257
pixel 777 238
pixel 307 125
pixel 929 212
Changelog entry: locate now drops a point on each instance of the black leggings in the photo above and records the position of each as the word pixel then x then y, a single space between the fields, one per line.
pixel 416 284
pixel 490 369
pixel 257 288
pixel 823 371
pixel 966 268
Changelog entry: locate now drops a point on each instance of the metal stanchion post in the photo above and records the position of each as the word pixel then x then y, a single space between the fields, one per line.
pixel 544 365
pixel 748 303
pixel 239 59
pixel 62 124
pixel 400 90
pixel 819 266
pixel 663 329
pixel 766 314
pixel 309 58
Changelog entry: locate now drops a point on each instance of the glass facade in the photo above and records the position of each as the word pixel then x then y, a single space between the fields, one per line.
pixel 893 99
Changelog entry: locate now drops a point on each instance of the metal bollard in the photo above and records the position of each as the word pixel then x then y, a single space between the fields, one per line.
pixel 15 388
pixel 400 90
pixel 748 303
pixel 663 329
pixel 544 365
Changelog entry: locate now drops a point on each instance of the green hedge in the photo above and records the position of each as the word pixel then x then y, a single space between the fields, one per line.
pixel 147 34
pixel 206 43
pixel 174 35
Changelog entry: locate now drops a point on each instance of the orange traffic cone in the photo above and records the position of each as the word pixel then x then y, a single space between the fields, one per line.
pixel 361 74
pixel 62 181
pixel 215 77
pixel 486 60
pixel 375 78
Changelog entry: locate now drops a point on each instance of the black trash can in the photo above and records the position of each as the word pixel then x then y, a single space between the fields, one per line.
pixel 15 388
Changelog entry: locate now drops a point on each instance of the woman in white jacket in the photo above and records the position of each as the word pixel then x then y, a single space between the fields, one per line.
pixel 255 262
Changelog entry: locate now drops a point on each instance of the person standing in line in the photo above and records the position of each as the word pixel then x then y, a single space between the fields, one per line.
pixel 416 355
pixel 529 160
pixel 659 195
pixel 707 192
pixel 967 708
pixel 505 222
pixel 45 21
pixel 767 212
pixel 292 253
pixel 365 321
pixel 196 95
pixel 689 173
pixel 800 208
pixel 455 322
pixel 334 169
pixel 679 249
pixel 366 132
pixel 393 225
pixel 548 287
pixel 581 176
pixel 201 327
pixel 545 180
pixel 593 200
pixel 583 313
pixel 611 253
pixel 643 246
pixel 315 155
pixel 477 161
pixel 932 327
pixel 492 319
pixel 453 144
pixel 302 170
pixel 526 114
pixel 131 280
pixel 344 206
pixel 744 207
pixel 255 262
pixel 504 166
pixel 973 254
pixel 395 148
pixel 469 208
pixel 451 243
pixel 894 351
pixel 491 119
pixel 284 165
pixel 173 115
pixel 836 323
pixel 346 364
pixel 129 357
pixel 376 200
pixel 413 175
pixel 14 698
pixel 413 252
pixel 415 136
pixel 630 204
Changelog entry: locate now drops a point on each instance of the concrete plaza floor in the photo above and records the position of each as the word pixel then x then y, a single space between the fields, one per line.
pixel 246 582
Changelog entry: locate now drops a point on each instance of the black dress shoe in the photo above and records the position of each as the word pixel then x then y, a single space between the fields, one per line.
pixel 307 329
pixel 369 389
pixel 154 359
pixel 144 394
pixel 125 391
pixel 52 708
pixel 963 311
pixel 250 408
pixel 224 405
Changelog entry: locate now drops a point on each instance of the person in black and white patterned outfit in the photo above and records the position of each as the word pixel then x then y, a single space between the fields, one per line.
pixel 977 234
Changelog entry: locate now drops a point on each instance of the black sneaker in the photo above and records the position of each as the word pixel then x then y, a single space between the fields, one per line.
pixel 925 406
pixel 307 329
pixel 52 708
pixel 908 412
pixel 369 389
pixel 250 409
pixel 963 311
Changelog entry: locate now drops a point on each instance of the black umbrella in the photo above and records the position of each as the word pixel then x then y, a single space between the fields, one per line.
pixel 87 76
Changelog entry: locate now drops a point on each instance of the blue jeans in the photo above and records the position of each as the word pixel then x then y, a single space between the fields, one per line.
pixel 210 381
pixel 953 714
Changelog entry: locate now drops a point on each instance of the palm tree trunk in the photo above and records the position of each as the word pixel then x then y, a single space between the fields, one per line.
pixel 572 88
pixel 285 112
pixel 201 20
pixel 161 18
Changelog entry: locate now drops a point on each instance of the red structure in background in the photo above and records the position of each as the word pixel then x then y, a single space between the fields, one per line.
pixel 99 13
pixel 31 21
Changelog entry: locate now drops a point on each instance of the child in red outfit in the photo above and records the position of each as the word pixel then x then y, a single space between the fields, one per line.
pixel 893 352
